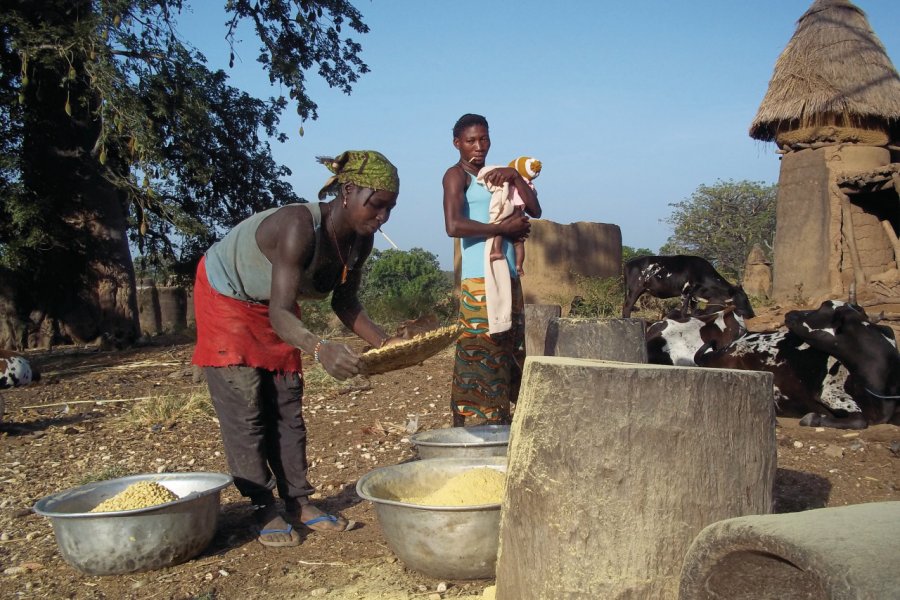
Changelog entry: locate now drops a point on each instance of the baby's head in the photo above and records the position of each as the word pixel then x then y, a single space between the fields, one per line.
pixel 527 166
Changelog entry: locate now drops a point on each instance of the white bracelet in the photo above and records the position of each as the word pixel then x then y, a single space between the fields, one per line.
pixel 317 348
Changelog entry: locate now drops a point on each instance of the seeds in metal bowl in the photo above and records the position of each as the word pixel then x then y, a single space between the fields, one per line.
pixel 142 494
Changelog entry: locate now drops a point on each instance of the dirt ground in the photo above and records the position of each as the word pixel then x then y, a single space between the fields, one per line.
pixel 83 421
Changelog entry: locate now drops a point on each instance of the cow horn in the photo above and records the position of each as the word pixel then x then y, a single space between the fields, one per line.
pixel 852 297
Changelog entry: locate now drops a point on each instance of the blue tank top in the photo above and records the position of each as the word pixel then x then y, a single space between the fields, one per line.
pixel 478 208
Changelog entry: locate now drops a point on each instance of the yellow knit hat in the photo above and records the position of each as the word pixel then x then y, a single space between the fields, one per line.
pixel 527 166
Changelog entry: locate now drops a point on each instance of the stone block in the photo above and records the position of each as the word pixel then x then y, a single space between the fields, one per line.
pixel 602 339
pixel 537 321
pixel 614 469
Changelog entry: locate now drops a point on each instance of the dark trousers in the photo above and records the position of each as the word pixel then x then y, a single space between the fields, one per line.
pixel 261 419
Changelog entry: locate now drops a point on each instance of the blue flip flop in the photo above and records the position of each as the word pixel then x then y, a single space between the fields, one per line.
pixel 287 531
pixel 330 519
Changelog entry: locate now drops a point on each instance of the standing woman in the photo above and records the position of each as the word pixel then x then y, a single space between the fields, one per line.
pixel 488 368
pixel 250 335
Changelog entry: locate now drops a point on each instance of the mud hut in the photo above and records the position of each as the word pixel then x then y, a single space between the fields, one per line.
pixel 833 109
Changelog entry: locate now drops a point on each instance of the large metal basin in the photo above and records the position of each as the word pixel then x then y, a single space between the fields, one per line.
pixel 462 442
pixel 443 542
pixel 127 541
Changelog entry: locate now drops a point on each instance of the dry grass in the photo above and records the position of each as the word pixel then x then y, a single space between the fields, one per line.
pixel 170 409
pixel 112 472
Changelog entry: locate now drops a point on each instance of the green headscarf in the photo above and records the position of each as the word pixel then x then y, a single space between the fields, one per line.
pixel 365 168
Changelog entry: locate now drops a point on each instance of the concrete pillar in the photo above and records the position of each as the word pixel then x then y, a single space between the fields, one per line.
pixel 841 553
pixel 172 308
pixel 537 320
pixel 190 319
pixel 615 468
pixel 602 339
pixel 148 307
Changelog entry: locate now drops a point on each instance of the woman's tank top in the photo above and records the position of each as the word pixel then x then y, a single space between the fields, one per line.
pixel 477 208
pixel 236 267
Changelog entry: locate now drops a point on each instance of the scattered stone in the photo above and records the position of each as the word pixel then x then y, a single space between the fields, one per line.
pixel 798 444
pixel 14 570
pixel 441 587
pixel 319 592
pixel 895 448
pixel 834 452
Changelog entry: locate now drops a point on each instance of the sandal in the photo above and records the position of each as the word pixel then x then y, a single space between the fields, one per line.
pixel 326 518
pixel 289 530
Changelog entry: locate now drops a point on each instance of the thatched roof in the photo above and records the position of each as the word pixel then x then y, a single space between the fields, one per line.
pixel 834 71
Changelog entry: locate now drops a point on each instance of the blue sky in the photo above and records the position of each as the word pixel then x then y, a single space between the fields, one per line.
pixel 630 106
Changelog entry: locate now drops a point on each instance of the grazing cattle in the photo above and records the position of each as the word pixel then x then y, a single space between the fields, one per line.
pixel 675 341
pixel 690 277
pixel 868 351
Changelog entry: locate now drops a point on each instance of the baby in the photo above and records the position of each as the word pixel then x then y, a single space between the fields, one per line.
pixel 528 168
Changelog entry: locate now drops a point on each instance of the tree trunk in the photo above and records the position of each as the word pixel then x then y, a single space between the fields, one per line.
pixel 80 274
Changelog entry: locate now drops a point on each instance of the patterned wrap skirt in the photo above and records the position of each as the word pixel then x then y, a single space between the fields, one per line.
pixel 488 369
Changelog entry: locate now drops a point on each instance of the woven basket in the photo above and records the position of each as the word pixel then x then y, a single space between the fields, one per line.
pixel 409 353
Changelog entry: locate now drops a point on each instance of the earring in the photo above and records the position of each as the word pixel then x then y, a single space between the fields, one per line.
pixel 345 203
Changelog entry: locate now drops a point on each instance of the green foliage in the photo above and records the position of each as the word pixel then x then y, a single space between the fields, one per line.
pixel 400 285
pixel 113 127
pixel 597 297
pixel 628 253
pixel 721 223
pixel 602 297
pixel 317 315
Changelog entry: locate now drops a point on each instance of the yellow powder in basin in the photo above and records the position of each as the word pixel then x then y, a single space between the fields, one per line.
pixel 469 488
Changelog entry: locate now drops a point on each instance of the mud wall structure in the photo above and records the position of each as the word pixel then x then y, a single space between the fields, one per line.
pixel 557 254
pixel 834 226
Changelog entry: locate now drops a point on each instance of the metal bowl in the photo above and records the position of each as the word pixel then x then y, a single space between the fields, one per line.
pixel 462 442
pixel 143 539
pixel 443 542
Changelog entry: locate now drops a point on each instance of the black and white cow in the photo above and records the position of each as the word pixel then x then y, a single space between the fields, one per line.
pixel 15 371
pixel 808 382
pixel 676 341
pixel 690 277
pixel 868 351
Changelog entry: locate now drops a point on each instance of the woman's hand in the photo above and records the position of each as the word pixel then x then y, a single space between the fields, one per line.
pixel 515 227
pixel 501 175
pixel 394 339
pixel 338 360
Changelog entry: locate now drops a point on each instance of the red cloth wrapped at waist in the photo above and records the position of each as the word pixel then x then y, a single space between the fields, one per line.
pixel 232 332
